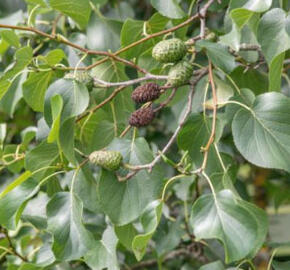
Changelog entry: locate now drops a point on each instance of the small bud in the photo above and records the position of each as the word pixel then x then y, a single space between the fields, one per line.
pixel 80 76
pixel 147 92
pixel 169 51
pixel 109 160
pixel 142 117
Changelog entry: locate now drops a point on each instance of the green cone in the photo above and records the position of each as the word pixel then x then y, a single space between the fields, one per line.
pixel 169 51
pixel 109 160
pixel 180 73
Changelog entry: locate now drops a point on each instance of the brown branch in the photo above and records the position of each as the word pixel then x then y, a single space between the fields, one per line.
pixel 194 251
pixel 104 102
pixel 54 24
pixel 167 101
pixel 150 165
pixel 163 32
pixel 213 127
pixel 148 76
pixel 61 39
pixel 11 246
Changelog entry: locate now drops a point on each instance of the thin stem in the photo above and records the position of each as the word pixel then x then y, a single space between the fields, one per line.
pixel 54 24
pixel 31 14
pixel 213 127
pixel 125 131
pixel 191 7
pixel 237 103
pixel 13 250
pixel 168 183
pixel 210 185
pixel 63 40
pixel 104 102
pixel 48 177
pixel 150 165
pixel 272 258
pixel 220 157
pixel 167 101
pixel 101 83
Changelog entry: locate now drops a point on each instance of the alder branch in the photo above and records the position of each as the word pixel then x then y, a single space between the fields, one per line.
pixel 167 101
pixel 163 32
pixel 193 251
pixel 108 55
pixel 201 14
pixel 148 76
pixel 213 127
pixel 61 39
pixel 11 246
pixel 149 166
pixel 104 102
pixel 245 47
pixel 54 24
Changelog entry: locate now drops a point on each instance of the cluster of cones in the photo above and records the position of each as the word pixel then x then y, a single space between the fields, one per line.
pixel 143 94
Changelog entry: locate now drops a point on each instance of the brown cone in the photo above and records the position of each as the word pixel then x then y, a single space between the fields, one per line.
pixel 141 117
pixel 147 92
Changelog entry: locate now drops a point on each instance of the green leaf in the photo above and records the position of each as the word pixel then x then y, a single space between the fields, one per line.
pixel 246 97
pixel 275 72
pixel 42 3
pixel 149 220
pixel 218 265
pixel 79 11
pixel 120 108
pixel 233 38
pixel 19 180
pixel 274 40
pixel 126 234
pixel 16 166
pixel 281 265
pixel 3 132
pixel 71 240
pixel 272 34
pixel 10 80
pixel 75 98
pixel 97 133
pixel 103 255
pixel 219 55
pixel 195 134
pixel 168 235
pixel 10 37
pixel 27 135
pixel 168 8
pixel 239 225
pixel 35 211
pixel 13 203
pixel 30 266
pixel 4 86
pixel 262 134
pixel 66 139
pixel 86 189
pixel 123 202
pixel 44 256
pixel 56 108
pixel 23 57
pixel 41 156
pixel 103 33
pixel 13 94
pixel 34 89
pixel 242 11
pixel 54 57
pixel 132 31
pixel 223 91
pixel 251 79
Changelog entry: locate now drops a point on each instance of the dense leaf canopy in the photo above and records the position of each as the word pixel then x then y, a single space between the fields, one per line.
pixel 191 171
